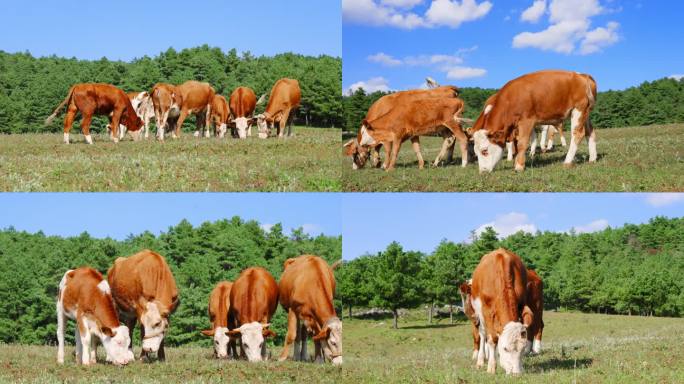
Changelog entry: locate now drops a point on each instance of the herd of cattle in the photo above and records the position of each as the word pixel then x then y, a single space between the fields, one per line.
pixel 141 289
pixel 544 99
pixel 172 104
pixel 503 300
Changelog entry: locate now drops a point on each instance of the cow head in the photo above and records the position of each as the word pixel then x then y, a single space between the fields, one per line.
pixel 116 343
pixel 330 339
pixel 155 321
pixel 511 347
pixel 242 124
pixel 264 120
pixel 358 153
pixel 221 340
pixel 466 290
pixel 487 149
pixel 252 337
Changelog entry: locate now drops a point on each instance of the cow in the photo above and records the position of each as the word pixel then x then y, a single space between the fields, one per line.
pixel 417 118
pixel 253 300
pixel 97 99
pixel 219 305
pixel 166 102
pixel 307 286
pixel 380 107
pixel 84 296
pixel 282 103
pixel 242 103
pixel 145 291
pixel 498 299
pixel 469 311
pixel 196 98
pixel 544 97
pixel 142 104
pixel 219 115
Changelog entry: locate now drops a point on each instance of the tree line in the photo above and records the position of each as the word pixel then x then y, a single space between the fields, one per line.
pixel 31 87
pixel 632 270
pixel 655 102
pixel 32 264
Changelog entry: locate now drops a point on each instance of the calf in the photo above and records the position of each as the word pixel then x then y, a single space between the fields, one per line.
pixel 219 305
pixel 306 293
pixel 253 300
pixel 145 291
pixel 85 296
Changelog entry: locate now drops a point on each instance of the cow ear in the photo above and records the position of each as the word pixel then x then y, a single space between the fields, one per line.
pixel 288 262
pixel 208 332
pixel 465 288
pixel 268 333
pixel 527 316
pixel 233 333
pixel 325 332
pixel 367 124
pixel 108 331
pixel 348 143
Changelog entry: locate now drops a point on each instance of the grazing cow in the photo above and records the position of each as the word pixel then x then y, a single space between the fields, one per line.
pixel 306 288
pixel 219 115
pixel 253 300
pixel 242 103
pixel 535 302
pixel 283 101
pixel 498 299
pixel 142 104
pixel 417 118
pixel 144 290
pixel 196 98
pixel 383 105
pixel 467 304
pixel 544 97
pixel 166 102
pixel 219 305
pixel 85 296
pixel 98 99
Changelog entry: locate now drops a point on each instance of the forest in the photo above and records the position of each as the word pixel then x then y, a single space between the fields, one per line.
pixel 32 264
pixel 32 87
pixel 632 270
pixel 656 102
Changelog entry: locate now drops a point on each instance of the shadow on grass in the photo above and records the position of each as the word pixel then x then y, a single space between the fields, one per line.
pixel 556 363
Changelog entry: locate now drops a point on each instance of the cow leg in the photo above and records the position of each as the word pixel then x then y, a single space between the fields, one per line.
pixel 491 362
pixel 85 126
pixel 297 343
pixel 161 354
pixel 147 127
pixel 457 134
pixel 476 340
pixel 543 139
pixel 577 127
pixel 388 147
pixel 116 119
pixel 304 356
pixel 85 342
pixel 509 150
pixel 282 124
pixel 525 130
pixel 69 121
pixel 591 135
pixel 79 344
pixel 415 143
pixel 448 141
pixel 179 123
pixel 143 354
pixel 161 118
pixel 61 319
pixel 560 133
pixel 291 334
pixel 318 354
pixel 394 153
pixel 533 145
pixel 207 125
pixel 93 350
pixel 130 323
pixel 376 161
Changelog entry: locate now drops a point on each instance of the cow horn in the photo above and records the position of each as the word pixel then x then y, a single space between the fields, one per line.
pixel 431 83
pixel 261 99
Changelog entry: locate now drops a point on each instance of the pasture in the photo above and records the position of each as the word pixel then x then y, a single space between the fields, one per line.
pixel 583 348
pixel 41 162
pixel 633 159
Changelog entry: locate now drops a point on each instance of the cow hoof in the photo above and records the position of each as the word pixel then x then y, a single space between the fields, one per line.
pixel 568 165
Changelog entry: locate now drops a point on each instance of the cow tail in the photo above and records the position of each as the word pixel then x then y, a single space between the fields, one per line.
pixel 60 106
pixel 591 88
pixel 509 286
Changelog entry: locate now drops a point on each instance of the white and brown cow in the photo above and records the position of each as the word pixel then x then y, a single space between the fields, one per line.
pixel 166 102
pixel 282 103
pixel 219 115
pixel 498 300
pixel 544 97
pixel 145 291
pixel 219 305
pixel 85 296
pixel 242 103
pixel 144 108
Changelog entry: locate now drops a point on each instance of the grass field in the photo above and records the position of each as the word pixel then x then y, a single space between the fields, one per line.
pixel 40 162
pixel 647 158
pixel 580 348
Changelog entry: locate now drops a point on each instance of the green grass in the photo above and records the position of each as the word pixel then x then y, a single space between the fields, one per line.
pixel 41 162
pixel 582 348
pixel 647 158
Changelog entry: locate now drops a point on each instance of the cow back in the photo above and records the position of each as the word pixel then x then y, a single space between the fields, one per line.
pixel 253 296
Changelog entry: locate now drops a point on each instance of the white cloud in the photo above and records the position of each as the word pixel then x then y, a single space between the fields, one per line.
pixel 384 59
pixel 508 224
pixel 594 226
pixel 457 73
pixel 371 85
pixel 676 76
pixel 427 60
pixel 266 227
pixel 663 199
pixel 397 13
pixel 569 29
pixel 534 12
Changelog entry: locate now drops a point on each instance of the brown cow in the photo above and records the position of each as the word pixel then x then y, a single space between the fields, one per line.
pixel 306 288
pixel 383 105
pixel 98 99
pixel 219 305
pixel 498 299
pixel 166 102
pixel 544 97
pixel 283 101
pixel 142 104
pixel 467 304
pixel 253 300
pixel 144 290
pixel 196 98
pixel 219 115
pixel 418 118
pixel 85 296
pixel 242 103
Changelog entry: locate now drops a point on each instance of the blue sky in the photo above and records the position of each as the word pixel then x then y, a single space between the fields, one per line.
pixel 119 214
pixel 394 44
pixel 125 29
pixel 419 221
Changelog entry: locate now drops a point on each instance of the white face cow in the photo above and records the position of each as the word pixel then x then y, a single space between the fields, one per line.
pixel 264 129
pixel 155 323
pixel 330 339
pixel 488 153
pixel 252 336
pixel 116 343
pixel 221 340
pixel 511 347
pixel 242 124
